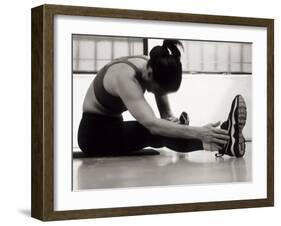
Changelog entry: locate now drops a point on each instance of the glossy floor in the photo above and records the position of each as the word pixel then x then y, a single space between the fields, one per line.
pixel 167 168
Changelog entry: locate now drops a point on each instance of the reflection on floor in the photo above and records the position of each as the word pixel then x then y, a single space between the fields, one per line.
pixel 168 168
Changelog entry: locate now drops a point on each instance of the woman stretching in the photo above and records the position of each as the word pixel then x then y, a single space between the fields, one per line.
pixel 120 86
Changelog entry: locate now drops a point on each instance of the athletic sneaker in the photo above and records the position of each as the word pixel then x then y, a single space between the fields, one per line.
pixel 234 125
pixel 184 119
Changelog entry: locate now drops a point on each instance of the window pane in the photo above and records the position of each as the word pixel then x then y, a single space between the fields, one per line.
pixel 104 49
pixel 74 64
pixel 209 49
pixel 86 65
pixel 86 49
pixel 75 54
pixel 247 58
pixel 235 57
pixel 101 63
pixel 194 56
pixel 247 52
pixel 121 48
pixel 137 47
pixel 247 67
pixel 222 57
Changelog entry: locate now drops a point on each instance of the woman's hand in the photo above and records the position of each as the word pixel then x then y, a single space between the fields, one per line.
pixel 209 134
pixel 173 119
pixel 183 119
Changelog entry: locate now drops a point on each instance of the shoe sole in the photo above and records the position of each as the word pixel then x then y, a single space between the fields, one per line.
pixel 237 120
pixel 184 119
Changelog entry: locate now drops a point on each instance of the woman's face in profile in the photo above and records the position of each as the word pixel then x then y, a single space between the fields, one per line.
pixel 154 88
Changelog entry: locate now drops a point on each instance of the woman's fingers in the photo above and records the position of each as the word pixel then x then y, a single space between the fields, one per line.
pixel 221 131
pixel 222 137
pixel 219 141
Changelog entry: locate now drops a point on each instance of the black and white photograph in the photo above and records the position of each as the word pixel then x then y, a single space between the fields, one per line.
pixel 153 112
pixel 138 112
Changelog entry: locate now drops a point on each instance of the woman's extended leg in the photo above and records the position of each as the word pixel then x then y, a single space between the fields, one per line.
pixel 135 137
pixel 107 136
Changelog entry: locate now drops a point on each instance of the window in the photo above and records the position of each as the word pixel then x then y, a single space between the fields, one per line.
pixel 91 53
pixel 216 57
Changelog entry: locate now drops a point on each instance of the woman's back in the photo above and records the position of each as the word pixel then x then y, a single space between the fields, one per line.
pixel 102 95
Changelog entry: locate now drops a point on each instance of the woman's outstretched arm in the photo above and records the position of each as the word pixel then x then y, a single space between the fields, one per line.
pixel 132 96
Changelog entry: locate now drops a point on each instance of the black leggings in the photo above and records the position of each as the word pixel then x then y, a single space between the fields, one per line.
pixel 101 135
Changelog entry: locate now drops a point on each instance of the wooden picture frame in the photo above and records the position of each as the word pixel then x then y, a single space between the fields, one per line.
pixel 42 203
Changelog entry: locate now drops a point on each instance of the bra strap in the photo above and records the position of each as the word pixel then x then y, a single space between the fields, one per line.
pixel 136 69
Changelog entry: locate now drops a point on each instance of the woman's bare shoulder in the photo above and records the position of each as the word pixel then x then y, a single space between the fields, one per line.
pixel 120 76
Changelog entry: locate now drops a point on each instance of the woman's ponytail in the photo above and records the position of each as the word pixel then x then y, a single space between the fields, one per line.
pixel 163 51
pixel 172 44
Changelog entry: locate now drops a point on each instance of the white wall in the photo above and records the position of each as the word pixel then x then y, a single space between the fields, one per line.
pixel 206 98
pixel 15 118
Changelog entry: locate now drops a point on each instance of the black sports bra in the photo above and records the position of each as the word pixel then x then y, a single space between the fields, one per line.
pixel 112 103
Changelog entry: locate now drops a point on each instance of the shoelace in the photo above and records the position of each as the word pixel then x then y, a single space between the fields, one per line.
pixel 218 155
